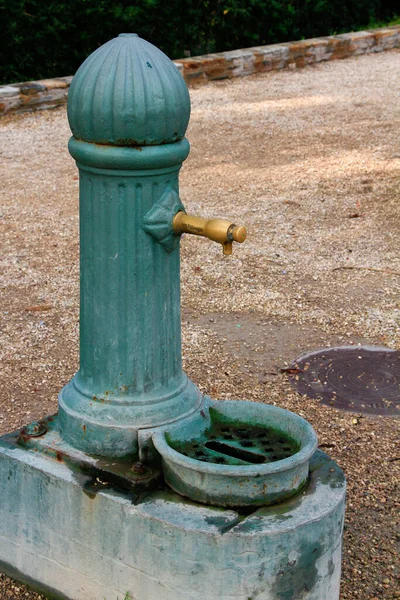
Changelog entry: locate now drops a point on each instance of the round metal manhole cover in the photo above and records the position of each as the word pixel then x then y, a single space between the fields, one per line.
pixel 362 379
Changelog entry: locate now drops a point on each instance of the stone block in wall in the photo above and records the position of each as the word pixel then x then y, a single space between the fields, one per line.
pixel 297 51
pixel 386 39
pixel 192 68
pixel 68 79
pixel 215 67
pixel 270 58
pixel 339 47
pixel 53 84
pixel 49 98
pixel 31 88
pixel 179 66
pixel 317 50
pixel 248 63
pixel 361 42
pixel 233 59
pixel 307 52
pixel 9 98
pixel 244 65
pixel 8 90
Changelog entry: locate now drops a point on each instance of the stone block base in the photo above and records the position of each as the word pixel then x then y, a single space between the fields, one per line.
pixel 77 541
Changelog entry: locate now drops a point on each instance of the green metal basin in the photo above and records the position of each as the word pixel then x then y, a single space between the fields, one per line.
pixel 238 453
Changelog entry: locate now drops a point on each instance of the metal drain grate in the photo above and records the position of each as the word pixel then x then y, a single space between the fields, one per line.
pixel 232 444
pixel 363 379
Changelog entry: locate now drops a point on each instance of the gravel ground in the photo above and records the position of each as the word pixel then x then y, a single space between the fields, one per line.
pixel 309 161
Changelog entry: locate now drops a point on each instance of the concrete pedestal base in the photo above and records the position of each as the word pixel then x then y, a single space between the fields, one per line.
pixel 80 545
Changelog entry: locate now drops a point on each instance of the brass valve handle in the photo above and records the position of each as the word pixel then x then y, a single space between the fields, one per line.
pixel 219 230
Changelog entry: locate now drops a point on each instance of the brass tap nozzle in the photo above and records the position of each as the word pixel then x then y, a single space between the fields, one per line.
pixel 219 230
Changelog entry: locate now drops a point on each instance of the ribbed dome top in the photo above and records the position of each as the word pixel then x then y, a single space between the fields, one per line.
pixel 128 93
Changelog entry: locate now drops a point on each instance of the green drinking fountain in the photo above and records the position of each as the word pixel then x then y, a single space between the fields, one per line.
pixel 141 487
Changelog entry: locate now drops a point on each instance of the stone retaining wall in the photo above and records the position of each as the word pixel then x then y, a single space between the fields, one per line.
pixel 49 93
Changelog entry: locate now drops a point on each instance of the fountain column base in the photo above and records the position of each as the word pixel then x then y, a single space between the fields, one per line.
pixel 80 542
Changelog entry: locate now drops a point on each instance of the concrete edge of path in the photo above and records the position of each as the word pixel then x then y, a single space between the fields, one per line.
pixel 50 93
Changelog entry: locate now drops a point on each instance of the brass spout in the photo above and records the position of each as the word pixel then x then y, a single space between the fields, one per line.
pixel 219 230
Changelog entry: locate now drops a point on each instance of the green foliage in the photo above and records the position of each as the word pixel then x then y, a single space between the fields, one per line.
pixel 394 21
pixel 49 39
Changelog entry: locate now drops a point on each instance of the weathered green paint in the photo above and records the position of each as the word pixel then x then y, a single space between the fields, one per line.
pixel 194 467
pixel 128 93
pixel 128 121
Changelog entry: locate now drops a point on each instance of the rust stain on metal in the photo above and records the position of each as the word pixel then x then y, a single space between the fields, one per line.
pixel 138 468
pixel 33 430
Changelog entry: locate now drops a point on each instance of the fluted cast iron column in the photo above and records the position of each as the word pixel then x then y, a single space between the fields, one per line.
pixel 128 110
